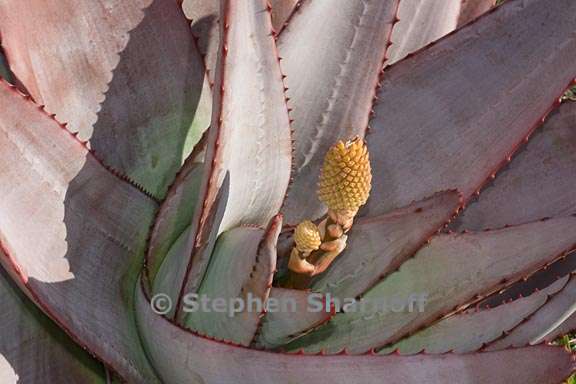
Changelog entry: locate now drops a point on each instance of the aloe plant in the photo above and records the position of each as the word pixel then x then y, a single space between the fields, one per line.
pixel 152 150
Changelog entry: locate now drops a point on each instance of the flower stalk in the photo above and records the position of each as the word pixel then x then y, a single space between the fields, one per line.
pixel 344 186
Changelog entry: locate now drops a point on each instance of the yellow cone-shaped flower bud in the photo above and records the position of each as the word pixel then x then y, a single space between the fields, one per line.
pixel 346 176
pixel 307 237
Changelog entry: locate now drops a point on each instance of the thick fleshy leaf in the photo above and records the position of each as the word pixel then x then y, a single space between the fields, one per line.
pixel 183 357
pixel 535 282
pixel 378 245
pixel 453 270
pixel 72 233
pixel 451 114
pixel 471 9
pixel 32 348
pixel 304 311
pixel 164 281
pixel 168 280
pixel 204 15
pixel 249 139
pixel 332 66
pixel 175 213
pixel 539 182
pixel 545 321
pixel 281 12
pixel 420 22
pixel 471 330
pixel 115 74
pixel 241 270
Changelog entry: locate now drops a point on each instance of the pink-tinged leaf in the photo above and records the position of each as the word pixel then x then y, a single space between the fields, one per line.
pixel 32 348
pixel 544 322
pixel 117 75
pixel 451 114
pixel 452 271
pixel 471 330
pixel 72 233
pixel 168 279
pixel 281 12
pixel 539 182
pixel 379 245
pixel 420 22
pixel 332 57
pixel 249 139
pixel 175 213
pixel 165 279
pixel 297 312
pixel 538 281
pixel 240 272
pixel 471 9
pixel 204 15
pixel 183 357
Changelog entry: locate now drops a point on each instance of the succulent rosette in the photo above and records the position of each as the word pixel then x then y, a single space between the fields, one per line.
pixel 173 173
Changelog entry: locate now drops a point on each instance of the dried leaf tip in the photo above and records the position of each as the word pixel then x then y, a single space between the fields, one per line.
pixel 346 176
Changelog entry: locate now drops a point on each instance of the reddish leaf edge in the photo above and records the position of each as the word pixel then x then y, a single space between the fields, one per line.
pixel 21 281
pixel 268 235
pixel 272 227
pixel 84 144
pixel 377 85
pixel 426 241
pixel 374 352
pixel 477 298
pixel 330 315
pixel 26 95
pixel 526 279
pixel 196 39
pixel 343 352
pixel 453 215
pixel 201 144
pixel 223 52
pixel 126 179
pixel 475 310
pixel 383 66
pixel 508 158
pixel 295 10
pixel 276 33
pixel 410 56
pixel 308 330
pixel 549 297
pixel 275 222
pixel 494 5
pixel 523 296
pixel 178 179
pixel 518 146
pixel 12 266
